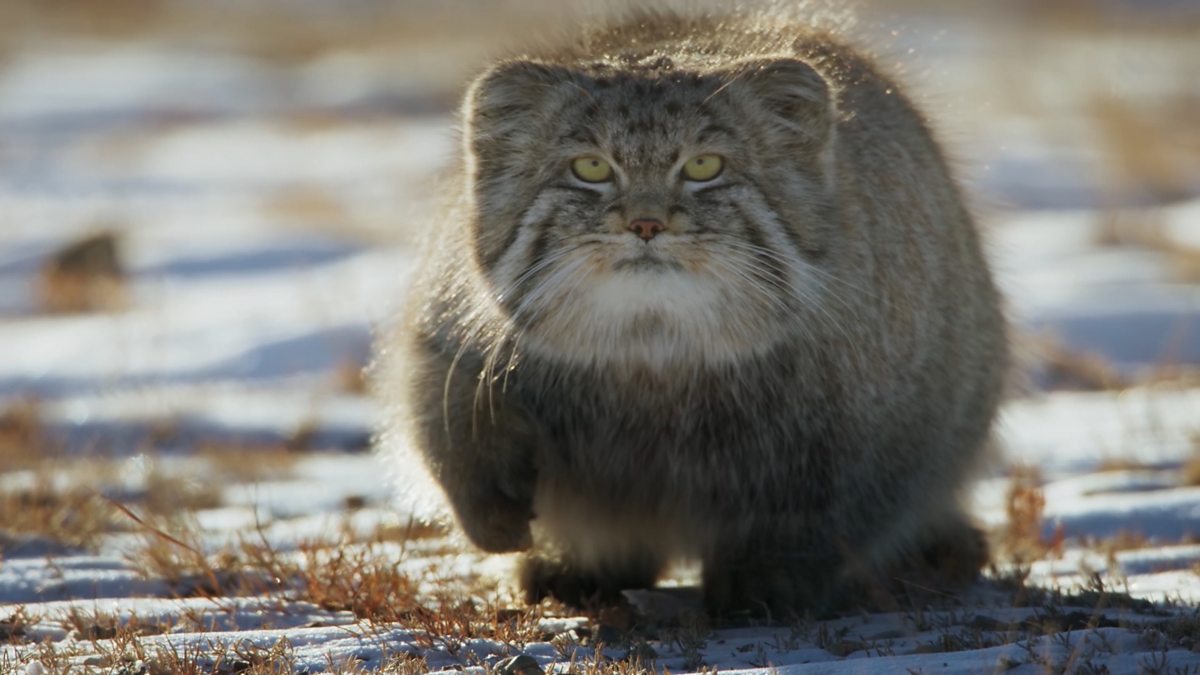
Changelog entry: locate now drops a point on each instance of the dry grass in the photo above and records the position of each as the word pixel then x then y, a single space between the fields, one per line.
pixel 24 439
pixel 1114 83
pixel 1153 146
pixel 351 378
pixel 75 517
pixel 85 275
pixel 1145 229
pixel 1122 540
pixel 121 648
pixel 1142 228
pixel 364 576
pixel 247 463
pixel 1022 540
pixel 115 18
pixel 1191 468
pixel 1066 368
pixel 309 205
pixel 178 559
pixel 1122 464
pixel 65 502
pixel 461 29
pixel 33 502
pixel 371 580
pixel 52 496
pixel 1063 367
pixel 1173 375
pixel 15 625
pixel 167 494
pixel 346 574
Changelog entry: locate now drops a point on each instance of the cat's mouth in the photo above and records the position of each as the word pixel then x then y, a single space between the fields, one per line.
pixel 646 261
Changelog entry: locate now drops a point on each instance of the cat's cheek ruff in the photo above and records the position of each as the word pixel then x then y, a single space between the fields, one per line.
pixel 633 317
pixel 660 319
pixel 518 257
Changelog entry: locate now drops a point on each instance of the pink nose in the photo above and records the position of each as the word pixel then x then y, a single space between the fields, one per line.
pixel 646 228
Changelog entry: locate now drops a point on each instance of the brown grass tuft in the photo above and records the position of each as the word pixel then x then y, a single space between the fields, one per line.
pixel 24 440
pixel 107 644
pixel 310 205
pixel 1153 147
pixel 248 463
pixel 303 436
pixel 84 276
pixel 1123 540
pixel 1191 467
pixel 368 579
pixel 351 378
pixel 1146 229
pixel 64 499
pixel 76 516
pixel 14 626
pixel 172 551
pixel 1120 464
pixel 167 494
pixel 1070 369
pixel 1021 540
pixel 1141 228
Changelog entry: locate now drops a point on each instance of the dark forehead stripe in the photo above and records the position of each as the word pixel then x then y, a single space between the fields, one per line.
pixel 711 131
pixel 582 135
pixel 640 109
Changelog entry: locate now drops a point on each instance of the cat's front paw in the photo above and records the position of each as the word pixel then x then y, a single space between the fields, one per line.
pixel 496 523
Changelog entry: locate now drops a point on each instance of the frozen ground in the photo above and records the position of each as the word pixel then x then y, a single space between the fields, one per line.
pixel 265 212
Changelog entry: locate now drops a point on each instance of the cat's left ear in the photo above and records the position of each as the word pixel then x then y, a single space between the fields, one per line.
pixel 795 95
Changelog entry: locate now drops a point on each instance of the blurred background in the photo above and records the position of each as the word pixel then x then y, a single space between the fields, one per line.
pixel 207 207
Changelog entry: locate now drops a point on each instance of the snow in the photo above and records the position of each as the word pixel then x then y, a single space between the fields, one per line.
pixel 244 317
pixel 1066 431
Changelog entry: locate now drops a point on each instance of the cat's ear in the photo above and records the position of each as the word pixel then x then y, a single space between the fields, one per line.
pixel 795 95
pixel 505 116
pixel 505 100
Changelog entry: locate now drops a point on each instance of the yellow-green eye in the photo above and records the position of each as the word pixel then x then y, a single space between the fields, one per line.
pixel 703 167
pixel 591 169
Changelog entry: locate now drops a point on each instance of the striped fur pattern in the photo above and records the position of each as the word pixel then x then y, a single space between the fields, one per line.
pixel 792 382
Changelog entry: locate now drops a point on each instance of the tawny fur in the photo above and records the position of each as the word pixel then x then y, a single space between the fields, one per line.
pixel 792 383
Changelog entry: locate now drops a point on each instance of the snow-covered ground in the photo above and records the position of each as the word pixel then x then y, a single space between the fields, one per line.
pixel 265 214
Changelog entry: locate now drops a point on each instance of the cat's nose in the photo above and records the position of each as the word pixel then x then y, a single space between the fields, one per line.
pixel 646 228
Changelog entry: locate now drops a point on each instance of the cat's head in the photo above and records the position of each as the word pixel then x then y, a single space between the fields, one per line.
pixel 639 211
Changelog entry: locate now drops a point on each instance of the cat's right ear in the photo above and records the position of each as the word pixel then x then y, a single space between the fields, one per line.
pixel 505 103
pixel 505 115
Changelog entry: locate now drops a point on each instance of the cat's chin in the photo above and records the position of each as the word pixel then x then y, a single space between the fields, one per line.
pixel 653 315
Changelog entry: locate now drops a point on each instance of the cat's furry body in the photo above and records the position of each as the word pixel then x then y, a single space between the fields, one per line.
pixel 791 383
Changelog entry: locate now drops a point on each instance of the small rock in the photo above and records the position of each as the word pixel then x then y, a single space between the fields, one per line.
pixel 521 664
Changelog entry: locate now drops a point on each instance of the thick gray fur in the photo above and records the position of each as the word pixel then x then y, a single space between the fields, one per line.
pixel 792 384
